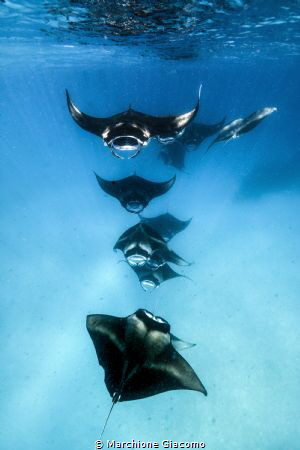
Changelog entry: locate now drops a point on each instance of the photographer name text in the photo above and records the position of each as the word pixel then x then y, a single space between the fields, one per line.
pixel 139 444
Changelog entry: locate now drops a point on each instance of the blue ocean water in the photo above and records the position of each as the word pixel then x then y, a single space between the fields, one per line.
pixel 241 304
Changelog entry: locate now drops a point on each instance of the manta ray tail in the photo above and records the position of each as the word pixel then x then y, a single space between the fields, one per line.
pixel 115 398
pixel 108 416
pixel 210 146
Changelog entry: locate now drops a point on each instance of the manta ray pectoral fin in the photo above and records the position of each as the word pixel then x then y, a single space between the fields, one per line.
pixel 166 272
pixel 121 243
pixel 179 345
pixel 156 189
pixel 183 374
pixel 107 334
pixel 179 374
pixel 166 225
pixel 169 372
pixel 185 223
pixel 182 120
pixel 110 187
pixel 170 126
pixel 176 259
pixel 92 124
pixel 117 246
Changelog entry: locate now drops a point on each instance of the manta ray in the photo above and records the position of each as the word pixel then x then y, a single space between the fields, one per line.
pixel 150 279
pixel 194 134
pixel 128 131
pixel 237 127
pixel 139 357
pixel 134 192
pixel 143 246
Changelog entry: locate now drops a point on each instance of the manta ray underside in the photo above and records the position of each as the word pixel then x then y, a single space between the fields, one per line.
pixel 139 357
pixel 143 246
pixel 125 133
pixel 134 192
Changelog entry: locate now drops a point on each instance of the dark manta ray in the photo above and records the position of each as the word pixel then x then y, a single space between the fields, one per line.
pixel 143 246
pixel 195 134
pixel 174 153
pixel 139 357
pixel 240 126
pixel 134 193
pixel 129 130
pixel 166 225
pixel 152 279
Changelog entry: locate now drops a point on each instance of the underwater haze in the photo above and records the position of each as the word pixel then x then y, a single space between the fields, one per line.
pixel 240 301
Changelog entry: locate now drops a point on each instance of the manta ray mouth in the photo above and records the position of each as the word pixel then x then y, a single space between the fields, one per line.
pixel 155 262
pixel 134 206
pixel 136 260
pixel 125 146
pixel 148 285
